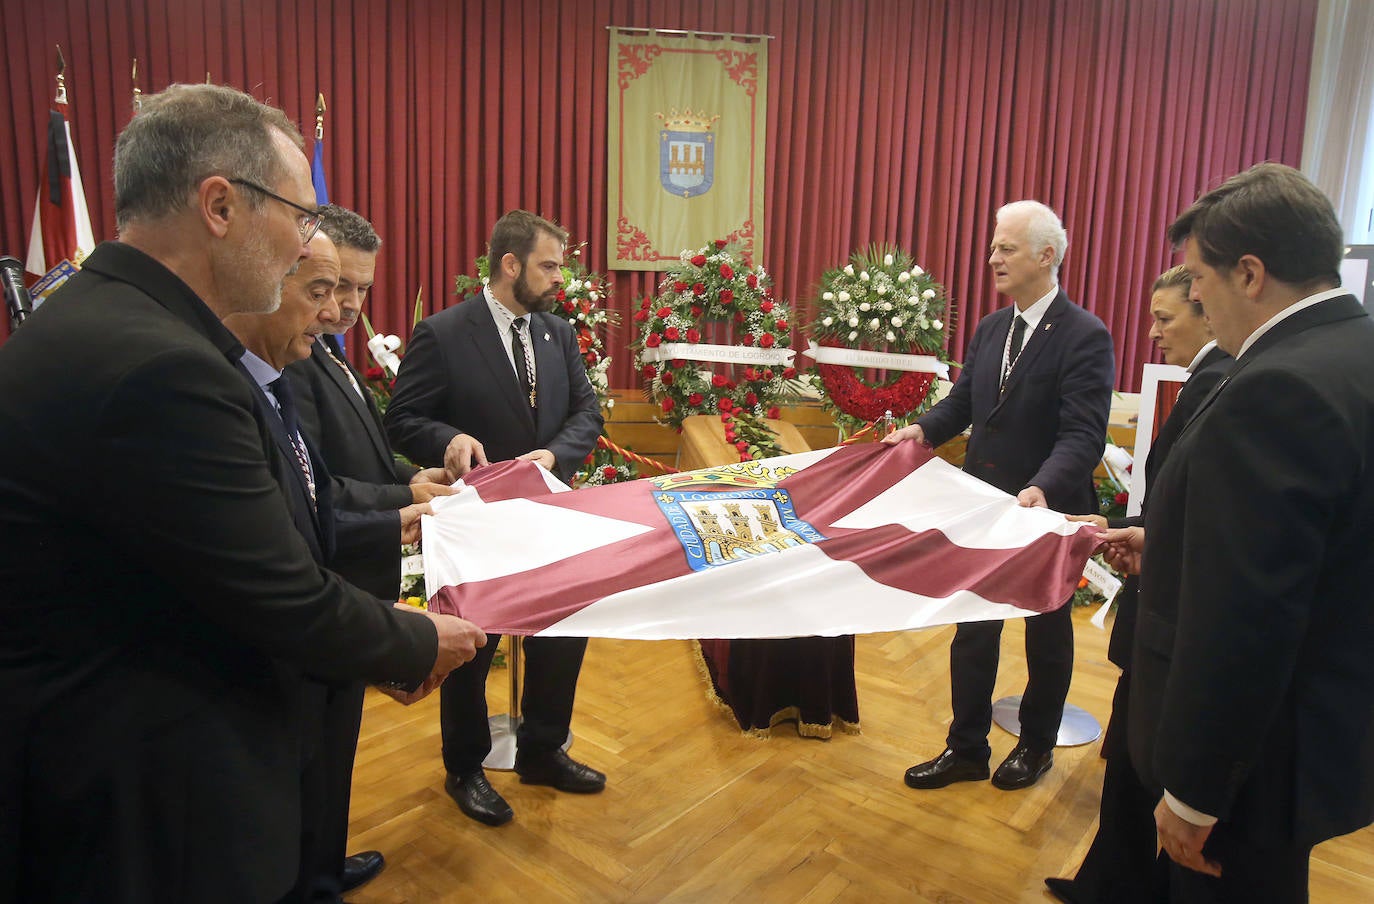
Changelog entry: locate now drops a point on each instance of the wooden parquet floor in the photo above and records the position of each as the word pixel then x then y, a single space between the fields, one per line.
pixel 695 811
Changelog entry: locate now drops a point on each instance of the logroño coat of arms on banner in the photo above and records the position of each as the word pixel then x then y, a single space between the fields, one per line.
pixel 687 130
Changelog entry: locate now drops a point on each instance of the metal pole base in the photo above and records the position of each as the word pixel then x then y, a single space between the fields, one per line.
pixel 1076 728
pixel 504 727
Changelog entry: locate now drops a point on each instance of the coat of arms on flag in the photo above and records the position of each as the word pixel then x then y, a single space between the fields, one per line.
pixel 687 153
pixel 849 540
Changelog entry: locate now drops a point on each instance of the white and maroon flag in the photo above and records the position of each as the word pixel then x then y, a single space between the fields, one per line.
pixel 61 222
pixel 849 540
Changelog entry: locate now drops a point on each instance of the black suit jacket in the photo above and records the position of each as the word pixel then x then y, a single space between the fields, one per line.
pixel 157 606
pixel 347 431
pixel 456 378
pixel 1253 690
pixel 1049 427
pixel 1208 374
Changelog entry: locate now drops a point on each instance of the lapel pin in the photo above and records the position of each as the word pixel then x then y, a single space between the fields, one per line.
pixel 546 338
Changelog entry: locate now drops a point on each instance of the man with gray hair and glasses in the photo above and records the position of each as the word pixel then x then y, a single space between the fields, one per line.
pixel 158 613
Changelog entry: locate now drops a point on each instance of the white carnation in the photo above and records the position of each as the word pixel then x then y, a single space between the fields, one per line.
pixel 928 294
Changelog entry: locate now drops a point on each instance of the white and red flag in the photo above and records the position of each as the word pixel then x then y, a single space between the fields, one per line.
pixel 848 540
pixel 61 223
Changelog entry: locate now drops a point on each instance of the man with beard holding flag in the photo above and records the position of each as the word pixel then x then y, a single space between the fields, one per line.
pixel 495 378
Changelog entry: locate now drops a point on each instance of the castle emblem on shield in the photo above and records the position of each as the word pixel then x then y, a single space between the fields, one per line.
pixel 686 153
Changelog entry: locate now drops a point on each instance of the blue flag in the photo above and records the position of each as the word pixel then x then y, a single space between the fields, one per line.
pixel 317 174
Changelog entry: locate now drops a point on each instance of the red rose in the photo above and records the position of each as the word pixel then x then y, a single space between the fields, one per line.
pixel 768 373
pixel 742 446
pixel 693 334
pixel 665 311
pixel 667 404
pixel 678 363
pixel 608 473
pixel 718 380
pixel 739 317
pixel 726 417
pixel 667 378
pixel 641 316
pixel 679 286
pixel 670 334
pixel 766 306
pixel 1121 498
pixel 699 260
pixel 648 371
pixel 720 243
pixel 782 326
pixel 746 339
pixel 750 375
pixel 766 340
pixel 725 405
pixel 789 374
pixel 652 340
pixel 591 457
pixel 774 413
pixel 644 304
pixel 561 296
pixel 569 307
pixel 745 456
pixel 729 433
pixel 751 281
pixel 750 399
pixel 726 296
pixel 726 272
pixel 698 289
pixel 695 399
pixel 374 373
pixel 590 358
pixel 696 310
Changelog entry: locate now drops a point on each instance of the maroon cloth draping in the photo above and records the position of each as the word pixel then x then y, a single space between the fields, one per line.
pixel 808 681
pixel 904 121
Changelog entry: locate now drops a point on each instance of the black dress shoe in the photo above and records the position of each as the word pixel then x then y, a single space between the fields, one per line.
pixel 559 770
pixel 946 769
pixel 1022 768
pixel 478 799
pixel 361 868
pixel 1063 890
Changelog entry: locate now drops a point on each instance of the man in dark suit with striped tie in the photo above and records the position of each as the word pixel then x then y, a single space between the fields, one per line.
pixel 1036 389
pixel 497 377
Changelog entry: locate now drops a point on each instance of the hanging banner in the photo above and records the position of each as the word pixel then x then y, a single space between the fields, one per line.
pixel 686 139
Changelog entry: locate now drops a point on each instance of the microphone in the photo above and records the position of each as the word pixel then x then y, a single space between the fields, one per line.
pixel 16 295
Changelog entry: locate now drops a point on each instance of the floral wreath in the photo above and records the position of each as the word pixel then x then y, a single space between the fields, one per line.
pixel 581 303
pixel 879 311
pixel 712 290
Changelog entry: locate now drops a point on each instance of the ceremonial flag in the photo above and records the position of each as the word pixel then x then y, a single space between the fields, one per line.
pixel 317 173
pixel 61 223
pixel 850 540
pixel 686 137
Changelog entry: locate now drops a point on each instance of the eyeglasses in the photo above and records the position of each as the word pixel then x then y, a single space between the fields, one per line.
pixel 309 220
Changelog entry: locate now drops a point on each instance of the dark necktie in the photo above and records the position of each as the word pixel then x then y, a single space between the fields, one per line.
pixel 1018 331
pixel 522 363
pixel 286 404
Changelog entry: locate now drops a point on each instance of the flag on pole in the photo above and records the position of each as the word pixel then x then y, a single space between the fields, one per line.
pixel 317 162
pixel 61 222
pixel 850 540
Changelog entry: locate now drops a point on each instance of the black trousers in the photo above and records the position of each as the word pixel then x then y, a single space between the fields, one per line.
pixel 973 659
pixel 552 665
pixel 1249 873
pixel 1121 864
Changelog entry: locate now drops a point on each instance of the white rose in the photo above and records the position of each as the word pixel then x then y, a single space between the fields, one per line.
pixel 853 336
pixel 828 296
pixel 828 321
pixel 903 277
pixel 593 296
pixel 882 290
pixel 865 306
pixel 916 270
pixel 573 285
pixel 913 300
pixel 844 296
pixel 896 321
pixel 937 324
pixel 891 337
pixel 874 323
pixel 849 269
pixel 864 276
pixel 610 403
pixel 924 323
pixel 928 294
pixel 885 306
pixel 887 260
pixel 853 321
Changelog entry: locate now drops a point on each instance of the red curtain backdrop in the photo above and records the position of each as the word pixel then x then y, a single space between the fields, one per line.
pixel 906 121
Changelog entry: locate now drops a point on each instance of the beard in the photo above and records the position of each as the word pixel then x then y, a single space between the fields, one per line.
pixel 527 299
pixel 248 285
